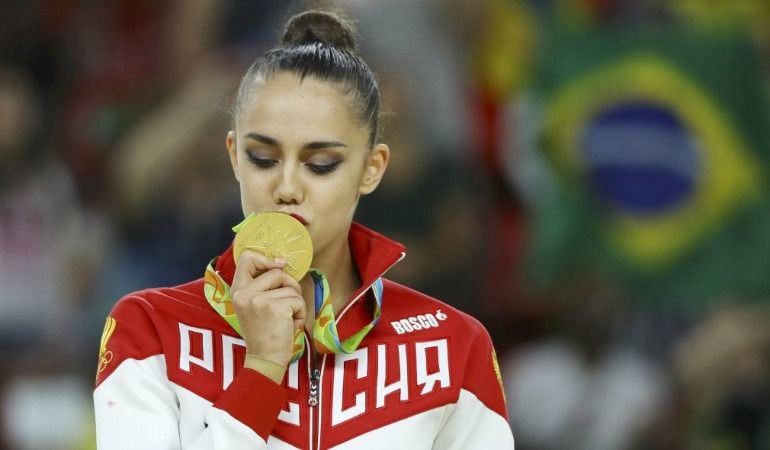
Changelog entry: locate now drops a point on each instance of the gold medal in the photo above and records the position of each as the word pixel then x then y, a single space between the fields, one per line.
pixel 276 235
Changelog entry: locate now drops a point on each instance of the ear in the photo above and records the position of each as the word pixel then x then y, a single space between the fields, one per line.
pixel 232 151
pixel 374 169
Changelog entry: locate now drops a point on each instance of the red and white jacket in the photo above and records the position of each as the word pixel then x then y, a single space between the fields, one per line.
pixel 170 375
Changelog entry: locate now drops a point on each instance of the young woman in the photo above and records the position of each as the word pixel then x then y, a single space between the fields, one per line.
pixel 342 358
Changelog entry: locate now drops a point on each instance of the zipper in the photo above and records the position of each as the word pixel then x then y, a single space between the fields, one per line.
pixel 315 376
pixel 319 409
pixel 314 394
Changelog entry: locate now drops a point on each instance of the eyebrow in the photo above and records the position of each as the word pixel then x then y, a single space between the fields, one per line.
pixel 318 145
pixel 314 145
pixel 262 138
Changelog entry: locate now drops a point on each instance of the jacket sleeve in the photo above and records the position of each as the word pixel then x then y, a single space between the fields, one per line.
pixel 479 419
pixel 137 407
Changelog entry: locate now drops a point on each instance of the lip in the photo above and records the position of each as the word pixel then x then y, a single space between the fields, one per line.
pixel 299 218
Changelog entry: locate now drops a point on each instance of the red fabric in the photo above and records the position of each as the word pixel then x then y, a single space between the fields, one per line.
pixel 480 377
pixel 134 336
pixel 254 400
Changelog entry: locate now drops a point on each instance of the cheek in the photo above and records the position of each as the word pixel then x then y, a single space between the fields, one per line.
pixel 254 189
pixel 342 194
pixel 334 202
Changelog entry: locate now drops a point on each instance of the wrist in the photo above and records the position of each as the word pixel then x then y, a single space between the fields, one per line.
pixel 271 369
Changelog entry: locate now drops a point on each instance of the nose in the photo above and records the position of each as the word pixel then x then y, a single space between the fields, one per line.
pixel 288 189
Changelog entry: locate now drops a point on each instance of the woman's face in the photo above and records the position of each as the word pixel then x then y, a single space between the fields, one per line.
pixel 298 148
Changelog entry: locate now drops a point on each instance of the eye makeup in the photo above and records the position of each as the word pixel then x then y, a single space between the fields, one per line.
pixel 260 161
pixel 322 169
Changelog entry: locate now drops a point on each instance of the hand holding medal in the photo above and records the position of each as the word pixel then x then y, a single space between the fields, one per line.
pixel 268 307
pixel 268 291
pixel 276 235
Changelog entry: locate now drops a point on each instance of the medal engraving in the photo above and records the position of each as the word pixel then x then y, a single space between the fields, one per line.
pixel 276 235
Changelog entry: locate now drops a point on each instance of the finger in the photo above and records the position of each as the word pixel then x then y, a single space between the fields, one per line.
pixel 250 265
pixel 298 311
pixel 274 279
pixel 281 293
pixel 290 306
pixel 268 281
pixel 286 295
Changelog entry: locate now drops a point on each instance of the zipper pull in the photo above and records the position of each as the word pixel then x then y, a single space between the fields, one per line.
pixel 315 375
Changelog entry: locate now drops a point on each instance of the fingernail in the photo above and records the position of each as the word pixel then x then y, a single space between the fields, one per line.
pixel 280 261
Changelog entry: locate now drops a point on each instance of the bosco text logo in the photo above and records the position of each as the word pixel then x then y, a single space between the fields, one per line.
pixel 418 322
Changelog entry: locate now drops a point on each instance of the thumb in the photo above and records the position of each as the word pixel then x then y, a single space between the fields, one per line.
pixel 252 264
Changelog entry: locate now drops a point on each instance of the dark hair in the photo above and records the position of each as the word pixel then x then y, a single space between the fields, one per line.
pixel 320 44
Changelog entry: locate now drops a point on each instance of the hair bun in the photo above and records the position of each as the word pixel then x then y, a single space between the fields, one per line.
pixel 320 26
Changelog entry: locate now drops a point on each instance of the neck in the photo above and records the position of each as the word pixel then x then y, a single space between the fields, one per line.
pixel 336 262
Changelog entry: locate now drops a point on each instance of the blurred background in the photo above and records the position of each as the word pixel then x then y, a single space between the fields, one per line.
pixel 589 178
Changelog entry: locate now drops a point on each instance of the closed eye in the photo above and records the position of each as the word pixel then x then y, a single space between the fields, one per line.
pixel 322 169
pixel 262 163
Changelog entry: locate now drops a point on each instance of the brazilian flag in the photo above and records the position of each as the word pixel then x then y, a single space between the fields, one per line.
pixel 655 145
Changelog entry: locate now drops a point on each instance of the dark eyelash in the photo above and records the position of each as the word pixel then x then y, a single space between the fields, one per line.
pixel 322 169
pixel 262 163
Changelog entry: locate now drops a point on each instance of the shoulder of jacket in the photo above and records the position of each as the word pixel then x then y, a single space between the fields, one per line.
pixel 190 294
pixel 412 300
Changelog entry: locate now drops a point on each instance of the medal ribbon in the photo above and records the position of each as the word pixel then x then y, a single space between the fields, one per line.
pixel 325 336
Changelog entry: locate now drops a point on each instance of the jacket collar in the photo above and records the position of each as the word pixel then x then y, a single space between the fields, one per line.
pixel 373 254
